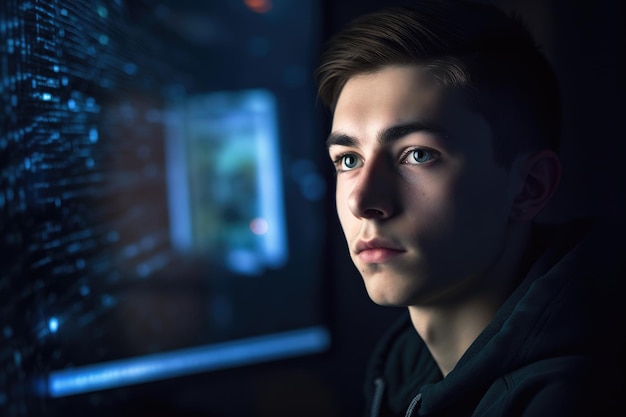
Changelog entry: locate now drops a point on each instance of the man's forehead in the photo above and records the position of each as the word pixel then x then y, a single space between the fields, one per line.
pixel 394 79
pixel 398 99
pixel 397 89
pixel 395 95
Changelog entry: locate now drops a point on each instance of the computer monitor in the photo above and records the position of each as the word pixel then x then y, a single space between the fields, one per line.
pixel 163 206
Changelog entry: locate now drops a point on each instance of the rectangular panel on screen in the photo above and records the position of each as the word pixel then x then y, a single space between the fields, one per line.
pixel 225 179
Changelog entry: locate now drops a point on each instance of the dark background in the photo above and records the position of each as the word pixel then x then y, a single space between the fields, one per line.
pixel 585 43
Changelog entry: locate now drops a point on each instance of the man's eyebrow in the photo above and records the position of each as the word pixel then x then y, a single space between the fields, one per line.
pixel 340 139
pixel 398 131
pixel 386 135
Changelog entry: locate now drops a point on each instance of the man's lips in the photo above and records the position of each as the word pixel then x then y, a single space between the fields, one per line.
pixel 377 250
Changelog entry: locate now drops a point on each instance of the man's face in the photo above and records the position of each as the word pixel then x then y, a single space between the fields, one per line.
pixel 422 203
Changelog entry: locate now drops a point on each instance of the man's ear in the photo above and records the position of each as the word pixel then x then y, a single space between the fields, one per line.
pixel 537 177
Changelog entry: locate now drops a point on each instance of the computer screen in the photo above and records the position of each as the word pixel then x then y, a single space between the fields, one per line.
pixel 161 194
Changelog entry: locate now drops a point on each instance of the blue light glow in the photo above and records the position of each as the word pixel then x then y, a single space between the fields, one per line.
pixel 187 361
pixel 93 135
pixel 274 242
pixel 53 324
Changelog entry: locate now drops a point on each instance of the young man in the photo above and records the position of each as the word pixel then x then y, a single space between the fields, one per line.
pixel 445 133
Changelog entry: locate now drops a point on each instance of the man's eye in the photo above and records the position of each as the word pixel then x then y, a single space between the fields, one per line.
pixel 419 156
pixel 347 162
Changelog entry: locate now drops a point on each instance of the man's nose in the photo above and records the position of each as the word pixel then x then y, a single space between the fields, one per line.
pixel 374 195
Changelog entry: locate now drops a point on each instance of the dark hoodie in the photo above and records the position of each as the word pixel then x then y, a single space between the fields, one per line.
pixel 554 348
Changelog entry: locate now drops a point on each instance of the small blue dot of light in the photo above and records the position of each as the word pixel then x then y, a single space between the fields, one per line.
pixel 107 300
pixel 53 324
pixel 46 96
pixel 93 135
pixel 102 11
pixel 8 332
pixel 130 68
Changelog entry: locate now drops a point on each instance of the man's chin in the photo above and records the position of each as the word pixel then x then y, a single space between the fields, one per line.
pixel 388 298
pixel 390 289
pixel 388 304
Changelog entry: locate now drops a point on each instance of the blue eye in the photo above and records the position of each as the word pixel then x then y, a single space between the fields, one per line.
pixel 419 156
pixel 347 162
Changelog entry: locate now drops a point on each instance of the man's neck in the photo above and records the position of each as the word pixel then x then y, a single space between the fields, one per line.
pixel 448 332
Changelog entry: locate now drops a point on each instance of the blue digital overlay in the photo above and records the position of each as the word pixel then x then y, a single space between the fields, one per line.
pixel 171 364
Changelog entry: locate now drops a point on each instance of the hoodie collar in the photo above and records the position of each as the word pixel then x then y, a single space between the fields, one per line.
pixel 540 319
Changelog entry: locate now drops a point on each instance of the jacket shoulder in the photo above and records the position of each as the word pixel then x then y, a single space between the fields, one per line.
pixel 566 386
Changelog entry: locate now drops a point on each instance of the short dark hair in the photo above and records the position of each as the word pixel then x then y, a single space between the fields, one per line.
pixel 471 46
